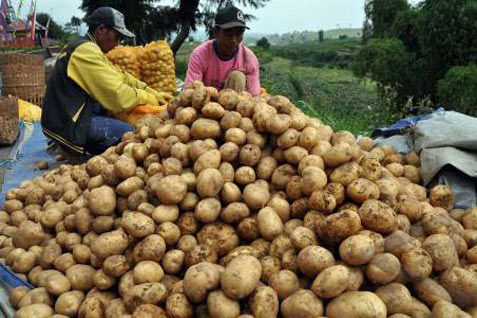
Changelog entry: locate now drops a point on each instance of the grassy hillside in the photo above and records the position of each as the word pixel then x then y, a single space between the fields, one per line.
pixel 333 95
pixel 349 33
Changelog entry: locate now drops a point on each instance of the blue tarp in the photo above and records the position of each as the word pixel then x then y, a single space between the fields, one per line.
pixel 401 126
pixel 20 165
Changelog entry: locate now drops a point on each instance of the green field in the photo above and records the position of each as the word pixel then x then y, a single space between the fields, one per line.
pixel 330 93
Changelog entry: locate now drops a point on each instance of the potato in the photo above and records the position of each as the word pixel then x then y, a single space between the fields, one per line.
pixel 282 175
pixel 165 213
pixel 341 225
pixel 302 303
pixel 34 310
pixel 81 277
pixel 115 266
pixel 361 190
pixel 110 243
pixel 396 297
pixel 269 223
pixel 378 217
pixel 399 242
pixel 213 110
pixel 337 155
pixel 137 224
pixel 264 302
pixel 461 285
pixel 203 128
pixel 185 116
pixel 288 139
pixel 102 201
pixel 103 281
pixel 51 217
pixel 313 179
pixel 209 159
pixel 95 165
pixel 442 196
pixel 365 304
pixel 125 167
pixel 221 306
pixel 357 250
pixel 170 189
pixel 313 259
pixel 256 196
pixel 50 253
pixel 65 261
pixel 285 283
pixel 446 309
pixel 241 276
pixel 409 207
pixel 322 201
pixel 442 251
pixel 151 248
pixel 431 292
pixel 148 293
pixel 149 310
pixel 129 185
pixel 331 282
pixel 383 268
pixel 346 173
pixel 209 183
pixel 28 235
pixel 199 279
pixel 295 154
pixel 416 263
pixel 35 296
pixel 200 253
pixel 147 272
pixel 17 294
pixel 302 237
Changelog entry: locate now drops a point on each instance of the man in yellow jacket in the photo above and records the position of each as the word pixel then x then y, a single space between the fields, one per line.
pixel 84 88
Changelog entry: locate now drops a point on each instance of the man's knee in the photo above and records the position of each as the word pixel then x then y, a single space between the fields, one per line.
pixel 237 81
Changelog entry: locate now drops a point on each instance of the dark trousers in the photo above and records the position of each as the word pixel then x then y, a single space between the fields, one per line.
pixel 104 131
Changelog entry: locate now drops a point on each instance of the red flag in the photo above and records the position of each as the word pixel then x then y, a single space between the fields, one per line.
pixel 3 16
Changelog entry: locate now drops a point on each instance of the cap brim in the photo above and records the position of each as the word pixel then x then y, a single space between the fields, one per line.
pixel 125 32
pixel 233 25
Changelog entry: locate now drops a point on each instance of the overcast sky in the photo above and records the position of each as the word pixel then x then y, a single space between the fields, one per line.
pixel 278 16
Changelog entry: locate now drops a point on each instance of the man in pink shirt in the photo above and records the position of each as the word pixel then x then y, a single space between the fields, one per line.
pixel 226 62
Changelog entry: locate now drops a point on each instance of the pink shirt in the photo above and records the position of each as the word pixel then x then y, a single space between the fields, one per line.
pixel 206 66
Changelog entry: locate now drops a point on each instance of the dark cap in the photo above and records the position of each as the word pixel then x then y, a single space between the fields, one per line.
pixel 230 17
pixel 111 18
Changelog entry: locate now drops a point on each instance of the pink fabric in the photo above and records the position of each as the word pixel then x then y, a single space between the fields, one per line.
pixel 205 65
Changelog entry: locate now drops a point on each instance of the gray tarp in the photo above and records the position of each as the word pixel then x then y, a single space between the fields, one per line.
pixel 445 139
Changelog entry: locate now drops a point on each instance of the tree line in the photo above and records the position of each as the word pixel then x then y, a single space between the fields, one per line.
pixel 424 51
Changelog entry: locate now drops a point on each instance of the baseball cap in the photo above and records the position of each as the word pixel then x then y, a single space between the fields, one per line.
pixel 112 18
pixel 230 17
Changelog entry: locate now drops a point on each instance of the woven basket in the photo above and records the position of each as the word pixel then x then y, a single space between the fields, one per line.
pixel 8 120
pixel 31 93
pixel 23 76
pixel 23 59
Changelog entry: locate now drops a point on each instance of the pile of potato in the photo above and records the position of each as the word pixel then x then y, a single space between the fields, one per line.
pixel 157 66
pixel 152 64
pixel 233 206
pixel 125 57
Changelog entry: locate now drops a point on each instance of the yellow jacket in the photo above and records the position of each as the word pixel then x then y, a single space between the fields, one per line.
pixel 113 88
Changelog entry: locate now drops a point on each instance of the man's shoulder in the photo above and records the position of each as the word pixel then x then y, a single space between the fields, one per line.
pixel 83 44
pixel 203 47
pixel 249 52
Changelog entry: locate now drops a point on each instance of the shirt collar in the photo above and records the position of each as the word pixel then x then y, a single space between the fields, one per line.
pixel 216 50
